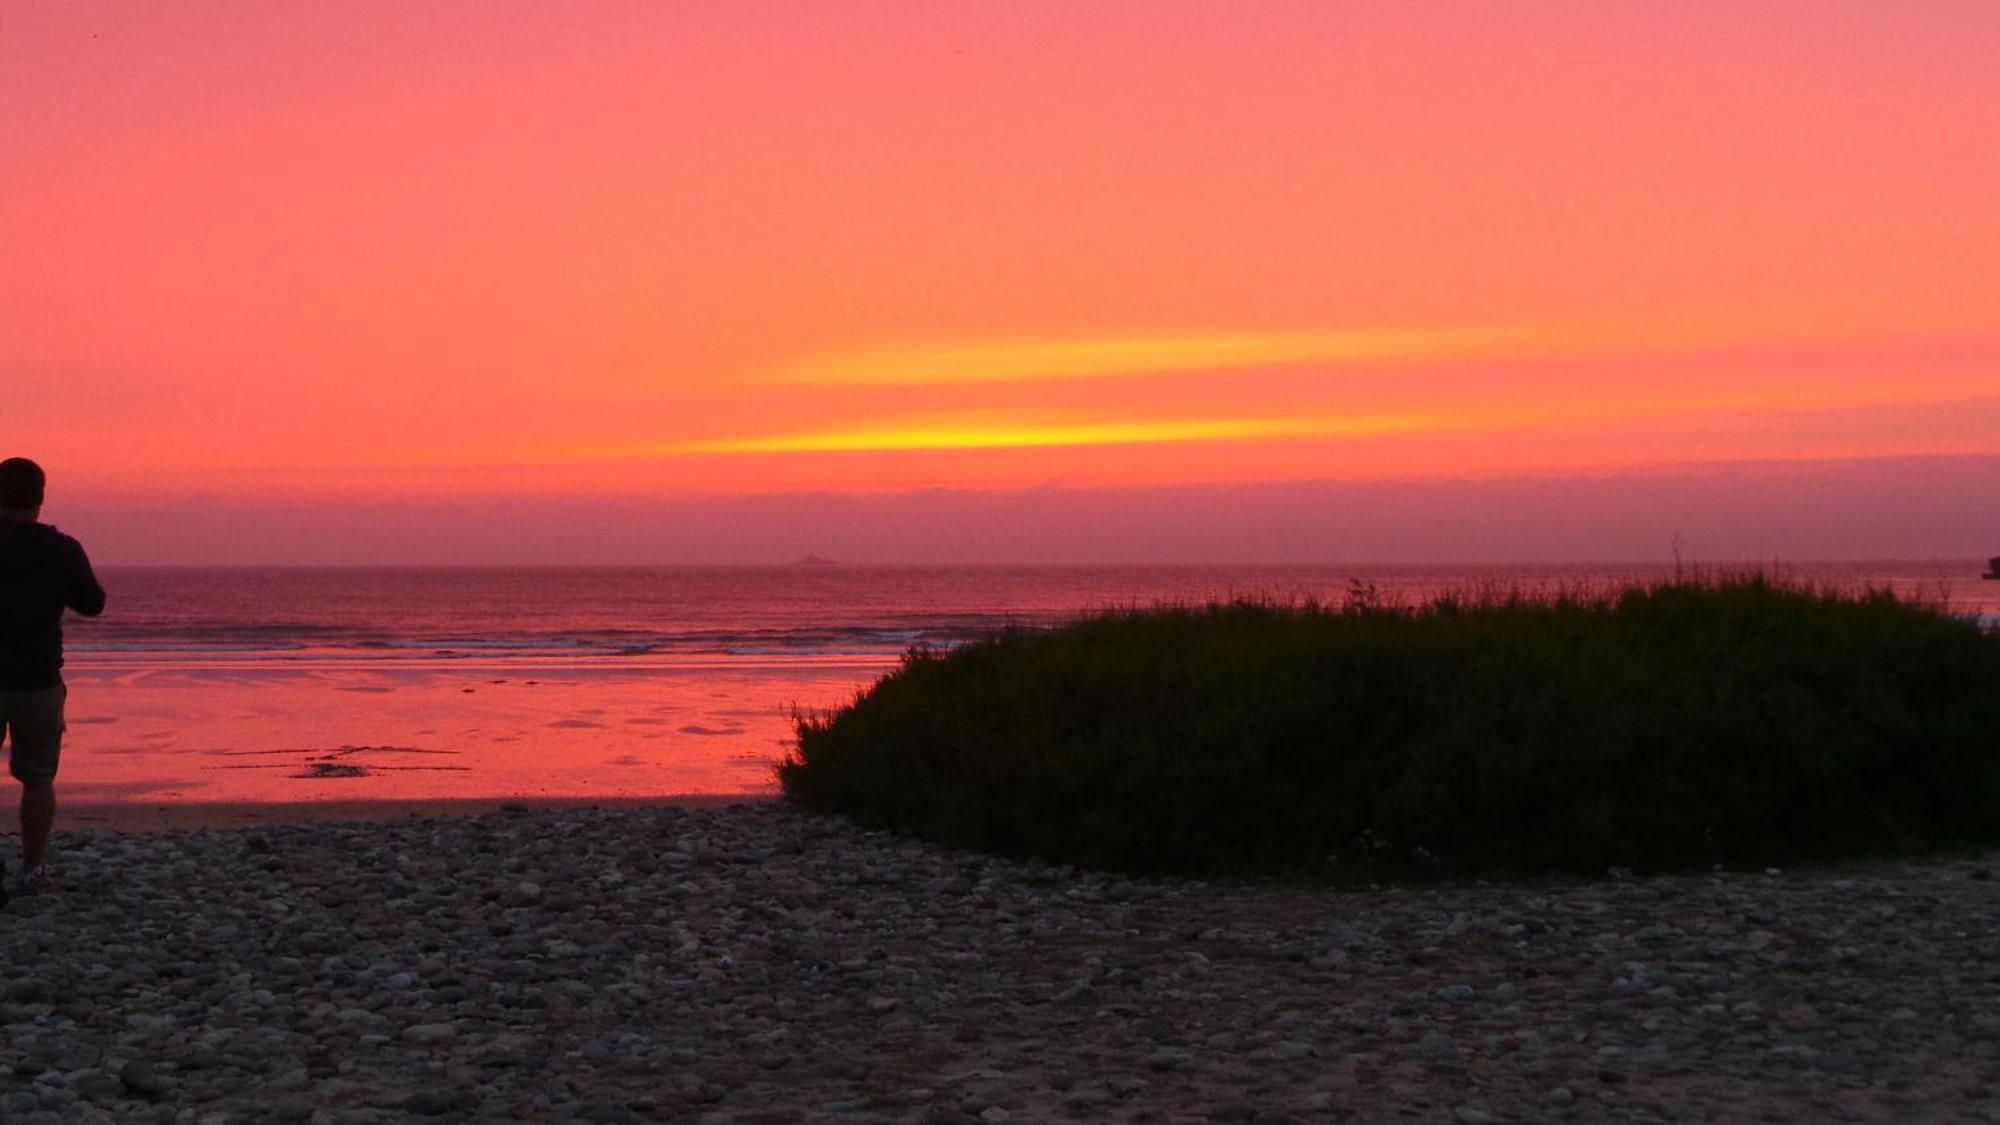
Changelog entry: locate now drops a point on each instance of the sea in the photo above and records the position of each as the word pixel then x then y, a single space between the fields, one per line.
pixel 302 684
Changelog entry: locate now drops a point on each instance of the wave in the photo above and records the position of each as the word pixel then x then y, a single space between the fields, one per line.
pixel 167 646
pixel 642 616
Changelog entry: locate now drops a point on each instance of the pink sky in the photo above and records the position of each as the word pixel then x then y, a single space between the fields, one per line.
pixel 495 280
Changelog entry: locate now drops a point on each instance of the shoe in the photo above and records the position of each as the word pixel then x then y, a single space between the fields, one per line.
pixel 34 880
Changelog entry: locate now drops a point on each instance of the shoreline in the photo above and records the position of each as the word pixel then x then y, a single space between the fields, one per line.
pixel 196 816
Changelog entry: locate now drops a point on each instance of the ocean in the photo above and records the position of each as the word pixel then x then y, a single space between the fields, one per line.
pixel 295 684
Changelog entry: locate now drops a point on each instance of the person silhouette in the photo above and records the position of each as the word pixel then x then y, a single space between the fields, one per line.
pixel 42 573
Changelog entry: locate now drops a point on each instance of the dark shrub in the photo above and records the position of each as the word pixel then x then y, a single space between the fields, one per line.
pixel 1667 726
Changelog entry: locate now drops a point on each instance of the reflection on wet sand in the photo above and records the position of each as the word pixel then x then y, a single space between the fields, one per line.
pixel 241 732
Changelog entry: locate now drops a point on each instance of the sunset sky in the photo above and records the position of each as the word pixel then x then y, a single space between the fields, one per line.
pixel 409 282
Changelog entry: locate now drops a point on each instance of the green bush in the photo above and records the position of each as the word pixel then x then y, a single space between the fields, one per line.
pixel 1657 727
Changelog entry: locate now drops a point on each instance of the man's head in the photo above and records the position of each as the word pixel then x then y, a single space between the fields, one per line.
pixel 21 485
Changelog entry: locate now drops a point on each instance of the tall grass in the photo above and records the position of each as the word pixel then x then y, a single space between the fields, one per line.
pixel 1731 719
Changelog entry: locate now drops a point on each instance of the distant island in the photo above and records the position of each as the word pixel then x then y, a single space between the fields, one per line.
pixel 814 560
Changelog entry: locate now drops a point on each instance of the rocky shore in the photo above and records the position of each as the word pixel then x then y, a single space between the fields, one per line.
pixel 751 963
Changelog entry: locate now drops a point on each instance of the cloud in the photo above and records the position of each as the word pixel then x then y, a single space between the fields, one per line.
pixel 1001 433
pixel 1875 508
pixel 1108 357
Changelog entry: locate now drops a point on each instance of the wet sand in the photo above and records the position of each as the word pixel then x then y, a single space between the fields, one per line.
pixel 220 733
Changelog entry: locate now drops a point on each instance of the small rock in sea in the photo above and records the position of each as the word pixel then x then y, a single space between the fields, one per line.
pixel 1455 992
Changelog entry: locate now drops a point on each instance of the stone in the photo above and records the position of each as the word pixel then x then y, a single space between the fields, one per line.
pixel 140 1079
pixel 394 974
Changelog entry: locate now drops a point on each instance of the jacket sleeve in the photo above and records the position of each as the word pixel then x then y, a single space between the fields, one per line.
pixel 82 592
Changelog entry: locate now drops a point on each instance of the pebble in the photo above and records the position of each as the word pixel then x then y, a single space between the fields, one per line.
pixel 755 963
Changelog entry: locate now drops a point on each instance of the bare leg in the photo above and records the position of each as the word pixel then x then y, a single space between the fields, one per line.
pixel 38 815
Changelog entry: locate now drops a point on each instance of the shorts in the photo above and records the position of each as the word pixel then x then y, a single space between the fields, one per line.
pixel 32 724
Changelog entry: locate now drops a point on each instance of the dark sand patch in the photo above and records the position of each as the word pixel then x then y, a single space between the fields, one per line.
pixel 95 793
pixel 328 751
pixel 336 763
pixel 330 769
pixel 160 816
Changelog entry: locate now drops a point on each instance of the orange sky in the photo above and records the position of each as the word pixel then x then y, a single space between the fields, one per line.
pixel 356 253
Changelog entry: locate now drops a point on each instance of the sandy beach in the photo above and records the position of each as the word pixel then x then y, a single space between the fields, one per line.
pixel 709 961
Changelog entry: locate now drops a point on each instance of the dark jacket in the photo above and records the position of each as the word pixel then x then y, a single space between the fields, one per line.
pixel 42 572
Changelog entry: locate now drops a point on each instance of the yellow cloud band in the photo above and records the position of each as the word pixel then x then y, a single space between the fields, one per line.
pixel 1076 359
pixel 1004 436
